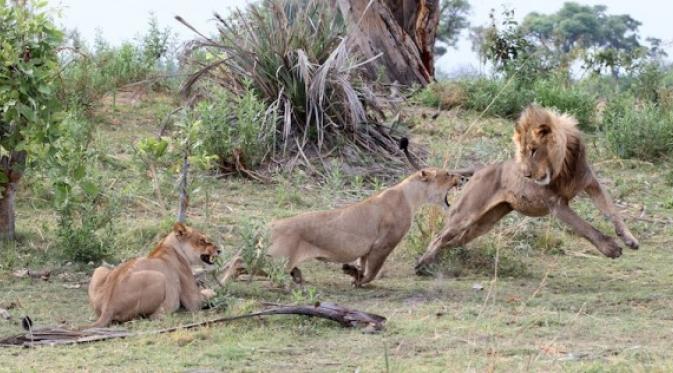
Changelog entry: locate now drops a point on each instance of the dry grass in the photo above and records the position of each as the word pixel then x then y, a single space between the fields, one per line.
pixel 576 311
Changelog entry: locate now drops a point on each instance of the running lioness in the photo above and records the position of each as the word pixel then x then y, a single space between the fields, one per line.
pixel 368 231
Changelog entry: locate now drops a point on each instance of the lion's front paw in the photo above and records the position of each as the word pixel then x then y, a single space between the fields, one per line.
pixel 630 241
pixel 207 293
pixel 610 248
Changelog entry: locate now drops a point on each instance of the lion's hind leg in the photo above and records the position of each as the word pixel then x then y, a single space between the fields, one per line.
pixel 143 293
pixel 460 230
pixel 98 278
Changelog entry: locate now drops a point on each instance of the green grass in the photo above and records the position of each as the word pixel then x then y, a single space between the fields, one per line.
pixel 572 310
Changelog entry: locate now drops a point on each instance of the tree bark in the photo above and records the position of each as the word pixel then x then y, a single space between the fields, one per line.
pixel 11 167
pixel 400 32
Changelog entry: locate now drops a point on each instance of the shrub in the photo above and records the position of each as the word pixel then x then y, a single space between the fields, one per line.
pixel 85 230
pixel 236 129
pixel 496 97
pixel 302 69
pixel 441 95
pixel 506 98
pixel 642 131
pixel 569 99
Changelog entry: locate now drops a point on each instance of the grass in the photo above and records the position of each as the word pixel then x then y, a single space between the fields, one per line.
pixel 572 310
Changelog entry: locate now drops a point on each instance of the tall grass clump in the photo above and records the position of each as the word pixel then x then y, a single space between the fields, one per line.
pixel 295 56
pixel 643 130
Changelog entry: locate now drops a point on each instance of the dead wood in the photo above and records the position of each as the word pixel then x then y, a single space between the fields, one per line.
pixel 53 336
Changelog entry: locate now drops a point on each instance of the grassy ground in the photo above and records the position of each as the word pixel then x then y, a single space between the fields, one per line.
pixel 555 304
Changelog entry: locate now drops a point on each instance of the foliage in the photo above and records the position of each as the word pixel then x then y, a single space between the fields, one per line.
pixel 254 244
pixel 452 21
pixel 91 72
pixel 302 69
pixel 85 229
pixel 236 129
pixel 505 45
pixel 501 97
pixel 566 98
pixel 28 65
pixel 643 131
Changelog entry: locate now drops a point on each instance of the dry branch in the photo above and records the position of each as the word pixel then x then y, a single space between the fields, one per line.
pixel 346 317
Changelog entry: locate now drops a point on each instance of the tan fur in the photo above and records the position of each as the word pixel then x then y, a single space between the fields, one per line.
pixel 367 231
pixel 154 285
pixel 550 169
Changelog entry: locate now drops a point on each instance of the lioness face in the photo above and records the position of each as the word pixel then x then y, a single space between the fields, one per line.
pixel 196 245
pixel 532 140
pixel 439 183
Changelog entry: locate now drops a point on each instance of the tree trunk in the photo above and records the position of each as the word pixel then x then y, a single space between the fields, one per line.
pixel 400 32
pixel 11 168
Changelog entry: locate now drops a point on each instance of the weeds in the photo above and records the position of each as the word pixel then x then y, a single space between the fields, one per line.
pixel 254 244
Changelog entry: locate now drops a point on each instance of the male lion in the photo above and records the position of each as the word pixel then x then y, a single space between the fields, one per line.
pixel 368 230
pixel 154 285
pixel 550 169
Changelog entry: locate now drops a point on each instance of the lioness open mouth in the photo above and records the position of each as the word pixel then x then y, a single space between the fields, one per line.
pixel 207 259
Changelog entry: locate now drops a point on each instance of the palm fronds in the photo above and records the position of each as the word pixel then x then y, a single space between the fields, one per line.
pixel 296 56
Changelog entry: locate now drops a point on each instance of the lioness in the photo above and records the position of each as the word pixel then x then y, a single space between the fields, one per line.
pixel 154 285
pixel 368 230
pixel 549 170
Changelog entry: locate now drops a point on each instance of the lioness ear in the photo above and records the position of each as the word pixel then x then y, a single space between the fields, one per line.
pixel 179 229
pixel 543 130
pixel 425 175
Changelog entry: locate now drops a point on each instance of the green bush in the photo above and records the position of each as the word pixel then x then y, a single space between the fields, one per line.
pixel 86 233
pixel 85 230
pixel 643 131
pixel 237 129
pixel 440 95
pixel 506 98
pixel 566 99
pixel 496 97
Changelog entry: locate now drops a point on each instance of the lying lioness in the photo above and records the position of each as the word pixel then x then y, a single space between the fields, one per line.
pixel 367 231
pixel 154 285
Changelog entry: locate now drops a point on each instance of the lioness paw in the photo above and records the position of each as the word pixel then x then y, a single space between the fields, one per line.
pixel 207 293
pixel 610 248
pixel 630 241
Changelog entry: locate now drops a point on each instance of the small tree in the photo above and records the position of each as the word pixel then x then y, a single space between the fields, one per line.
pixel 452 21
pixel 28 65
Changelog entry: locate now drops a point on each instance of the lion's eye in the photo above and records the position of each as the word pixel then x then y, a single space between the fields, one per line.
pixel 203 241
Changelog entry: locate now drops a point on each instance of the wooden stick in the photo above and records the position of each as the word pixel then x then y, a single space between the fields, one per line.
pixel 346 317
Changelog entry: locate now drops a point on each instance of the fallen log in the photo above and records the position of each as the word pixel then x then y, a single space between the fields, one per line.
pixel 49 336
